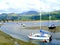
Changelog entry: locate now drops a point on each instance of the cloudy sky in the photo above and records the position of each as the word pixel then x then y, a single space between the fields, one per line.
pixel 26 5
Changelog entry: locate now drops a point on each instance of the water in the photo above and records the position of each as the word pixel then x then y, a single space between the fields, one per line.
pixel 16 30
pixel 46 23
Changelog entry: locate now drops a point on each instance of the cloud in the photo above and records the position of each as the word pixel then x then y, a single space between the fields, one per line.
pixel 26 5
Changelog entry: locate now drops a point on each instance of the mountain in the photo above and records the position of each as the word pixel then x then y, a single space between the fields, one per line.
pixel 29 13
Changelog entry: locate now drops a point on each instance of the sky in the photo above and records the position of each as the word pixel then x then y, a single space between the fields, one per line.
pixel 18 6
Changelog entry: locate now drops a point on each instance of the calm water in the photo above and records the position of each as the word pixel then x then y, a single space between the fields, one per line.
pixel 16 30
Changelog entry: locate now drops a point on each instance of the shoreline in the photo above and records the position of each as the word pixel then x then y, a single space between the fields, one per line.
pixel 31 21
pixel 35 21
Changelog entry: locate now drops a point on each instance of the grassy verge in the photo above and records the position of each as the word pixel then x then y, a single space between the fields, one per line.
pixel 5 39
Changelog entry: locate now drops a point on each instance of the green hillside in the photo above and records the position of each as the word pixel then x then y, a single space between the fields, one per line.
pixel 30 16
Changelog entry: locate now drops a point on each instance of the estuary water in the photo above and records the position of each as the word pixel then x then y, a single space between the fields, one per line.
pixel 16 30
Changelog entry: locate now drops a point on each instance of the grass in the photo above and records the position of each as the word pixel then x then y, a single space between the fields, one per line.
pixel 5 39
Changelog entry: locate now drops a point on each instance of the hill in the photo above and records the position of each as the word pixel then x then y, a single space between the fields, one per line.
pixel 30 15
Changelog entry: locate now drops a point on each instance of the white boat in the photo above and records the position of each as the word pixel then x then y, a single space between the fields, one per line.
pixel 40 36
